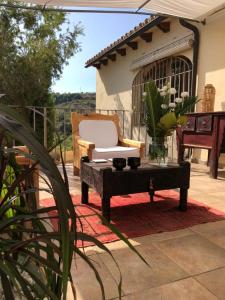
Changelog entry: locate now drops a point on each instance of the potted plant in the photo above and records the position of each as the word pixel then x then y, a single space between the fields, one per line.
pixel 35 261
pixel 164 112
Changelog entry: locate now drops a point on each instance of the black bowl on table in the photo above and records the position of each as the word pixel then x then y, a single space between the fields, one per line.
pixel 85 159
pixel 119 163
pixel 133 162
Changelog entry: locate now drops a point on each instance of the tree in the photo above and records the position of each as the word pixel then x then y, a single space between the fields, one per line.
pixel 34 47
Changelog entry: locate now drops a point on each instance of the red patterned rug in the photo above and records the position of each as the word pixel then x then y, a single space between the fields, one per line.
pixel 135 216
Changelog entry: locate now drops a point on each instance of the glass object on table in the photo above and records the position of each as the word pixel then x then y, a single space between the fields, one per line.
pixel 158 150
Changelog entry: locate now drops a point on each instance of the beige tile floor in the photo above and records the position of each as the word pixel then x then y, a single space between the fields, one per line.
pixel 183 264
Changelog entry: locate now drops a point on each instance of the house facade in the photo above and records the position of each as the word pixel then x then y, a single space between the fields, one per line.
pixel 189 55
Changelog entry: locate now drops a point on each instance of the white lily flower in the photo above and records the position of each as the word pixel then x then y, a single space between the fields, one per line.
pixel 172 91
pixel 178 100
pixel 172 105
pixel 165 88
pixel 144 94
pixel 184 94
pixel 163 93
pixel 164 106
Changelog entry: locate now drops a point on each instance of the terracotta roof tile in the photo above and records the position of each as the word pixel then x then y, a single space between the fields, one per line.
pixel 121 39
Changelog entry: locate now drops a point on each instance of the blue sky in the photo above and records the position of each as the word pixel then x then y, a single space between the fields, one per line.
pixel 100 30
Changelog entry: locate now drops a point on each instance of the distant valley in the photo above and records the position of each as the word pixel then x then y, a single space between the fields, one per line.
pixel 75 101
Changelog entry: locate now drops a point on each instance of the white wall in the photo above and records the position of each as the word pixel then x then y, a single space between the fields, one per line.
pixel 114 81
pixel 211 67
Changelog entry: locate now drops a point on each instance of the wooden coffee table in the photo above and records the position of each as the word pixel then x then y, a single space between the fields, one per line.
pixel 147 178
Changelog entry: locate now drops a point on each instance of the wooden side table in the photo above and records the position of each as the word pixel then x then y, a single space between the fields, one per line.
pixel 203 131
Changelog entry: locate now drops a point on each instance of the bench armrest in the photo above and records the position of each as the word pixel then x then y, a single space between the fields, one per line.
pixel 20 158
pixel 132 143
pixel 85 144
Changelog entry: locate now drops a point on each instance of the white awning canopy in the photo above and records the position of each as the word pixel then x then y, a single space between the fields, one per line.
pixel 188 9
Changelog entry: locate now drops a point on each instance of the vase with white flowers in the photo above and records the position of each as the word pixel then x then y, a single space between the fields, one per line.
pixel 164 112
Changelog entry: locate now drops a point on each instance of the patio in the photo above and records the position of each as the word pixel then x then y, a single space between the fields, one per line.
pixel 184 264
pixel 174 49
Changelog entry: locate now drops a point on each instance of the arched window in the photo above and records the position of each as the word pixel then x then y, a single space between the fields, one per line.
pixel 176 70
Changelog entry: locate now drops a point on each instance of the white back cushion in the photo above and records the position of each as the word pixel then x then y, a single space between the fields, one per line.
pixel 102 133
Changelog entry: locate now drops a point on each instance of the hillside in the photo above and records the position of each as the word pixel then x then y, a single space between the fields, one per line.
pixel 82 100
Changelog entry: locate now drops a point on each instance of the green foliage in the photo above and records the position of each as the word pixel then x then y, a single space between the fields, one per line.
pixel 34 47
pixel 186 106
pixel 74 98
pixel 153 102
pixel 168 121
pixel 35 262
pixel 9 177
pixel 163 113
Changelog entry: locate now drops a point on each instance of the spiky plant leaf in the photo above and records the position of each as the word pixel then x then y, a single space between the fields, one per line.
pixel 153 102
pixel 25 240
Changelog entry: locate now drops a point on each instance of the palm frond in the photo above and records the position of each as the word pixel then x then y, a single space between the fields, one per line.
pixel 28 247
pixel 153 102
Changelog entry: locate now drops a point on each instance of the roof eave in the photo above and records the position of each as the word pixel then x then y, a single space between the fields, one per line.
pixel 136 34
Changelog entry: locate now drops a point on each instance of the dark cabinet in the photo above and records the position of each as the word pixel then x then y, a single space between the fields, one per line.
pixel 190 125
pixel 204 131
pixel 204 123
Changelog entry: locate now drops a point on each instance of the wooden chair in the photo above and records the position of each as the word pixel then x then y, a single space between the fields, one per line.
pixel 26 162
pixel 98 137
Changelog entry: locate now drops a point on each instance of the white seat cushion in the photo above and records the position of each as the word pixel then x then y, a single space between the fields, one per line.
pixel 103 133
pixel 118 151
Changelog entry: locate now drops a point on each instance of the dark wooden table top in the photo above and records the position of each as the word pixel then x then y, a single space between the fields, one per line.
pixel 145 166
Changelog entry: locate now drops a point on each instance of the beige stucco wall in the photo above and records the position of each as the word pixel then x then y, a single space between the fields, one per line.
pixel 211 67
pixel 114 81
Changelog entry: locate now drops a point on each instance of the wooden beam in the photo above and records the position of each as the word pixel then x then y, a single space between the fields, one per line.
pixel 133 45
pixel 112 57
pixel 122 51
pixel 164 26
pixel 104 61
pixel 147 37
pixel 97 66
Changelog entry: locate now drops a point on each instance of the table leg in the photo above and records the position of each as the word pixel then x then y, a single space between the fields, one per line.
pixel 213 164
pixel 151 194
pixel 183 199
pixel 84 192
pixel 106 207
pixel 180 154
